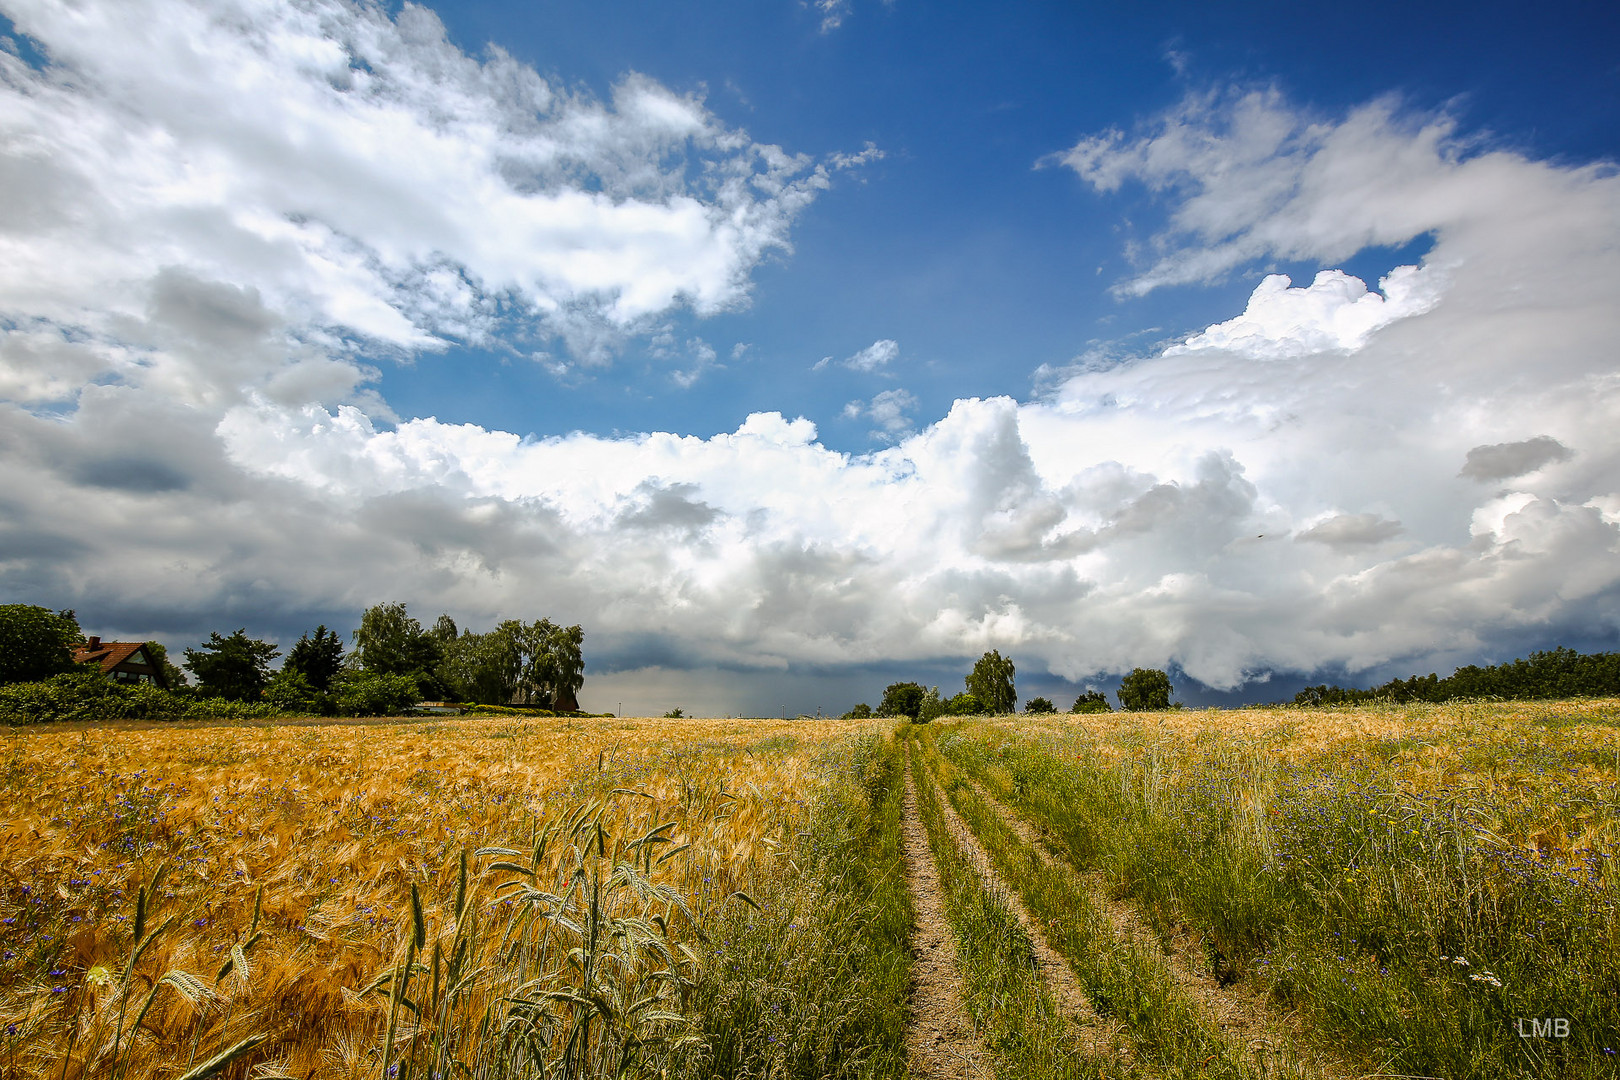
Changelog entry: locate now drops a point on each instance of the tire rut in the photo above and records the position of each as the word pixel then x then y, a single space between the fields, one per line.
pixel 1240 1013
pixel 1101 1037
pixel 940 1040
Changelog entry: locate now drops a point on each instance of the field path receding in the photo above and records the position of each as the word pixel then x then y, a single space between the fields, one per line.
pixel 1243 1017
pixel 1102 1038
pixel 940 1040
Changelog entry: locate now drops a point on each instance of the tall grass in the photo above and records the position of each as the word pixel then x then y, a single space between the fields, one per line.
pixel 1413 894
pixel 1123 979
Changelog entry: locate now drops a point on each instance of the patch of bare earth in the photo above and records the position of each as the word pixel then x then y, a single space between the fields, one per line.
pixel 940 1040
pixel 1244 1016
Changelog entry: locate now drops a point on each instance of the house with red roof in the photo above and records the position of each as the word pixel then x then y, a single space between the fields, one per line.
pixel 122 661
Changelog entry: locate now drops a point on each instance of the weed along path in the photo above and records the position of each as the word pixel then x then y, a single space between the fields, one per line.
pixel 940 1039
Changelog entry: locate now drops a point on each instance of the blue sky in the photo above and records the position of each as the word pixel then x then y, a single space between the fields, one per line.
pixel 955 245
pixel 791 348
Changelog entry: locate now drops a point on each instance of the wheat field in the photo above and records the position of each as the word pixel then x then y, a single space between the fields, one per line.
pixel 275 884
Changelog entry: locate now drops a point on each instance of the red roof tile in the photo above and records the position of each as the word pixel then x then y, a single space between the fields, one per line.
pixel 109 655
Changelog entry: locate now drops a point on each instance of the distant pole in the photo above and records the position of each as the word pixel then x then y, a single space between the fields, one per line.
pixel 621 710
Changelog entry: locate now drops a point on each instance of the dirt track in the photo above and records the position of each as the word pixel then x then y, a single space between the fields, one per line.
pixel 940 1039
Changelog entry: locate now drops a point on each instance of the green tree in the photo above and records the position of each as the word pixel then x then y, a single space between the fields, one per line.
pixel 36 642
pixel 481 668
pixel 902 699
pixel 1145 689
pixel 390 642
pixel 173 676
pixel 318 659
pixel 965 704
pixel 551 662
pixel 863 711
pixel 932 706
pixel 235 668
pixel 1092 701
pixel 992 683
pixel 1038 705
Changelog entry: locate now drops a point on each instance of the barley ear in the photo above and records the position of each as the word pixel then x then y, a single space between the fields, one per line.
pixel 418 920
pixel 461 887
pixel 215 1065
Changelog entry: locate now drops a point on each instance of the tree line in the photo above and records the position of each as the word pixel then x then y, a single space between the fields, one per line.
pixel 393 664
pixel 990 689
pixel 1555 673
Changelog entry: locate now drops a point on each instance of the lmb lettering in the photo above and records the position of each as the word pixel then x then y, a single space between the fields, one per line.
pixel 1553 1027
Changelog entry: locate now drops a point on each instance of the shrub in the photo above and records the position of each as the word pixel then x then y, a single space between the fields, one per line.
pixel 863 711
pixel 290 690
pixel 1039 705
pixel 1092 701
pixel 370 693
pixel 72 695
pixel 87 695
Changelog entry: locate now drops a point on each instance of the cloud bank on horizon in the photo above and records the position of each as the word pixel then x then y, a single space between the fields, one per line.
pixel 223 216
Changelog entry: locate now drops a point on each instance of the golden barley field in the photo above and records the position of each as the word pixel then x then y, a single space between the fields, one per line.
pixel 336 899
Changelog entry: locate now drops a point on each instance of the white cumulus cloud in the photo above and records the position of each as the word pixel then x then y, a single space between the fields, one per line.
pixel 359 179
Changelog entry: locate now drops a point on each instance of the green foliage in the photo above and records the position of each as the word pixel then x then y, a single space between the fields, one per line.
pixel 370 693
pixel 1038 705
pixel 390 642
pixel 235 668
pixel 317 659
pixel 551 662
pixel 291 691
pixel 481 668
pixel 1144 690
pixel 863 711
pixel 1092 701
pixel 965 704
pixel 83 694
pixel 902 699
pixel 991 681
pixel 1559 673
pixel 538 663
pixel 675 714
pixel 87 695
pixel 160 659
pixel 35 642
pixel 931 707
